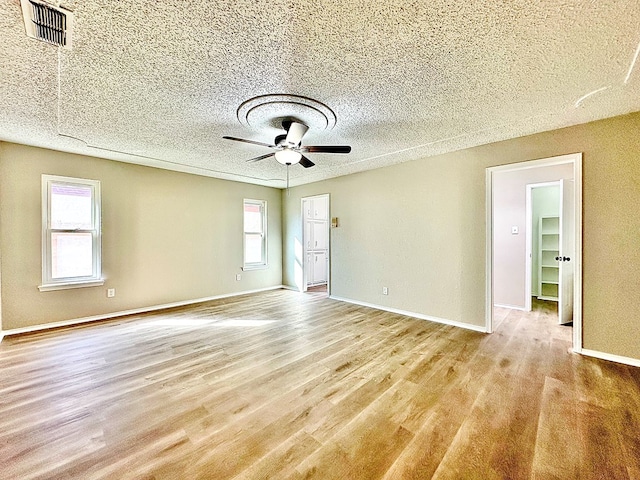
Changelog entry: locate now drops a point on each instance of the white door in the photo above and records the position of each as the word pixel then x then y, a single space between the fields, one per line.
pixel 307 207
pixel 319 240
pixel 308 234
pixel 319 267
pixel 320 208
pixel 315 212
pixel 566 258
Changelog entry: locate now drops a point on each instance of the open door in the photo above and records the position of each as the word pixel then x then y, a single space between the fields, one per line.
pixel 315 215
pixel 566 257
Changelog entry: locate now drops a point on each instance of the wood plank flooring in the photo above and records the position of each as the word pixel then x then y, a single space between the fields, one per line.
pixel 282 385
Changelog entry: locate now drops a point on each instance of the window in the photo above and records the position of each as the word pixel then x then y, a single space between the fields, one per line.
pixel 255 234
pixel 70 233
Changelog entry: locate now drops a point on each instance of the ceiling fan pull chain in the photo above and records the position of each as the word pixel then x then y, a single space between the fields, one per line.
pixel 288 165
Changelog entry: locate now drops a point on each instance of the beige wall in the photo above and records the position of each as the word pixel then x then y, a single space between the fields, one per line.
pixel 404 227
pixel 167 237
pixel 419 229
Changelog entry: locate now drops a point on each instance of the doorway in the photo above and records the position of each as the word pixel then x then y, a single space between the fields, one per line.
pixel 509 282
pixel 315 241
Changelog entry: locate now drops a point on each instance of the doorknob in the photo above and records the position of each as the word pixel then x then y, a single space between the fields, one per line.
pixel 563 259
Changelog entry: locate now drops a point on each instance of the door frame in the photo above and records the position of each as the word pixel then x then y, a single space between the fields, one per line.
pixel 576 160
pixel 529 240
pixel 304 241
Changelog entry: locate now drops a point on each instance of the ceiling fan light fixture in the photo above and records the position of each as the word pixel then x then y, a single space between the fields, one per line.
pixel 288 157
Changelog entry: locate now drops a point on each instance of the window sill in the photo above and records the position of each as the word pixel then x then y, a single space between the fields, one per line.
pixel 65 286
pixel 262 266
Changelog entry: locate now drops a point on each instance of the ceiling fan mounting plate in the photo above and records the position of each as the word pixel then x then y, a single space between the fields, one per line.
pixel 270 110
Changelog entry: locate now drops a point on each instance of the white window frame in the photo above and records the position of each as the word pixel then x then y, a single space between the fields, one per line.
pixel 95 279
pixel 263 208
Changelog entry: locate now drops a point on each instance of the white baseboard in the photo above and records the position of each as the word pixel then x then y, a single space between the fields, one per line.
pixel 511 307
pixel 634 362
pixel 444 321
pixel 290 287
pixel 135 311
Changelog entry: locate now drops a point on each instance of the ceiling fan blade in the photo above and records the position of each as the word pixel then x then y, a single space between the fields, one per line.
pixel 305 162
pixel 261 157
pixel 248 141
pixel 295 132
pixel 326 149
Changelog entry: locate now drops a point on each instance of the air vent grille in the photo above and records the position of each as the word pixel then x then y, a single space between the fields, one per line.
pixel 47 23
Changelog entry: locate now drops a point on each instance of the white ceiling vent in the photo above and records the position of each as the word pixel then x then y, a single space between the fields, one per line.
pixel 47 22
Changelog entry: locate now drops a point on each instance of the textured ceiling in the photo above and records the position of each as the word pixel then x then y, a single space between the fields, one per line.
pixel 160 82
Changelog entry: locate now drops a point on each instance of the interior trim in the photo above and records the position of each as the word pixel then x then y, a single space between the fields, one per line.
pixel 511 307
pixel 634 362
pixel 444 321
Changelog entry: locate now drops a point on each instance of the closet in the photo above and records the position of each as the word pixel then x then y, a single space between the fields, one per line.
pixel 316 239
pixel 545 272
pixel 549 269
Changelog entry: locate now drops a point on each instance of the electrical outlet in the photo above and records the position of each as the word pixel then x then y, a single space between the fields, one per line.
pixel 385 290
pixel 238 277
pixel 111 292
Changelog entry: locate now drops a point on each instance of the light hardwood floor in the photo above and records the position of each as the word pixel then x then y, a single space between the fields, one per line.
pixel 284 385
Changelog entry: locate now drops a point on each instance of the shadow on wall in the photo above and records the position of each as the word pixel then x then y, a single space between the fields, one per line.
pixel 298 268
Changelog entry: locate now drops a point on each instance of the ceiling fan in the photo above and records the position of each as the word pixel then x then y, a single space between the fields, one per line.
pixel 288 147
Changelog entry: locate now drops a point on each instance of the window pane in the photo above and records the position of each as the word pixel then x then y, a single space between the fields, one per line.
pixel 71 207
pixel 71 255
pixel 252 218
pixel 253 248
